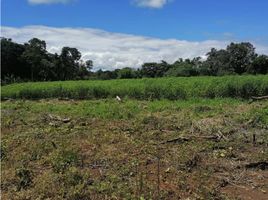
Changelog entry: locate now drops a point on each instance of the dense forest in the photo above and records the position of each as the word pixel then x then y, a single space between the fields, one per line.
pixel 32 62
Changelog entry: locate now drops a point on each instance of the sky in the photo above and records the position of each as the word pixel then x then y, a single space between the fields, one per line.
pixel 127 33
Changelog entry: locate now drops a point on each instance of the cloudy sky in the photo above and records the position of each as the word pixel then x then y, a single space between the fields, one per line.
pixel 126 33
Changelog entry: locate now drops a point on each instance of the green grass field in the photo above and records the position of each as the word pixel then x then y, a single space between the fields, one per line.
pixel 144 89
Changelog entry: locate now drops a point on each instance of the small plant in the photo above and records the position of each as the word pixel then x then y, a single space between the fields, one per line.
pixel 63 159
pixel 73 177
pixel 24 178
pixel 2 151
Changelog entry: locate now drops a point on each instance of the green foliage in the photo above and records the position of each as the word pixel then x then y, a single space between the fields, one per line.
pixel 154 69
pixel 161 88
pixel 69 58
pixel 259 65
pixel 24 178
pixel 12 66
pixel 240 56
pixel 127 73
pixel 61 160
pixel 35 56
pixel 182 69
pixel 237 58
pixel 32 61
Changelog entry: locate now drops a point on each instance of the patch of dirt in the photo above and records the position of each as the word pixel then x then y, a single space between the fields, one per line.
pixel 245 193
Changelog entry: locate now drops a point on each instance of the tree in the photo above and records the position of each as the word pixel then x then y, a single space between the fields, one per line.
pixel 185 67
pixel 32 61
pixel 84 69
pixel 106 75
pixel 241 56
pixel 89 65
pixel 217 62
pixel 11 64
pixel 259 65
pixel 197 61
pixel 47 69
pixel 155 69
pixel 69 63
pixel 126 73
pixel 35 52
pixel 149 69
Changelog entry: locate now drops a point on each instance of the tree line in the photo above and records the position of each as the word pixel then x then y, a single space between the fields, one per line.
pixel 32 62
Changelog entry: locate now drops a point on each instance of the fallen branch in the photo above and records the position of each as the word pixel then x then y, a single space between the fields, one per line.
pixel 259 165
pixel 220 136
pixel 177 140
pixel 208 137
pixel 182 139
pixel 259 98
pixel 6 99
pixel 225 181
pixel 57 118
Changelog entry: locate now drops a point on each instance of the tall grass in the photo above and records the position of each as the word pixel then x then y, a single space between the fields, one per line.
pixel 157 88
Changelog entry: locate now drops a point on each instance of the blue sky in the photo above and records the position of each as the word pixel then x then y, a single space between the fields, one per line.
pixel 196 22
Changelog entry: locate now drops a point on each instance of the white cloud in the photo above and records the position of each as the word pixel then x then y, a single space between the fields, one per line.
pixel 48 1
pixel 151 3
pixel 141 3
pixel 114 50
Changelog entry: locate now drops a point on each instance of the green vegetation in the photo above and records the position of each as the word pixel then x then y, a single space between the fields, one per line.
pixel 31 61
pixel 134 149
pixel 168 138
pixel 146 89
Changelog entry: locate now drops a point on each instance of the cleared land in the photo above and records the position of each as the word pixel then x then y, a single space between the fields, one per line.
pixel 134 149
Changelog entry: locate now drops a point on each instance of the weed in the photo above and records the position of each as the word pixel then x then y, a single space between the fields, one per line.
pixel 24 178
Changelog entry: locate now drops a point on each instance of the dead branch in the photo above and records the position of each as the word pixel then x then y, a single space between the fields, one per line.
pixel 182 139
pixel 258 165
pixel 259 98
pixel 177 140
pixel 206 137
pixel 57 118
pixel 220 136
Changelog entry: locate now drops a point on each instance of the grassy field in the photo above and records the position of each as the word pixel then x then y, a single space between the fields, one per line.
pixel 134 149
pixel 143 89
